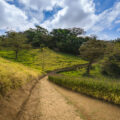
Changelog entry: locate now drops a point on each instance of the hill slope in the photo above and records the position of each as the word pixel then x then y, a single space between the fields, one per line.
pixel 14 75
pixel 52 60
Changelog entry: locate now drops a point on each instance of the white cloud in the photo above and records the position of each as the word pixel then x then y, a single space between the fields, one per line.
pixel 40 4
pixel 81 13
pixel 106 19
pixel 77 13
pixel 13 18
pixel 117 21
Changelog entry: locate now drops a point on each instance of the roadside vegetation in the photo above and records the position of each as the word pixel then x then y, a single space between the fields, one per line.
pixel 14 75
pixel 102 88
pixel 101 78
pixel 47 51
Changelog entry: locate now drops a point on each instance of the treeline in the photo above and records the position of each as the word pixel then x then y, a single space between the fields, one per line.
pixel 64 40
pixel 68 41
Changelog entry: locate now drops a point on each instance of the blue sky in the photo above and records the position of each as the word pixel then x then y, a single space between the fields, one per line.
pixel 102 5
pixel 99 17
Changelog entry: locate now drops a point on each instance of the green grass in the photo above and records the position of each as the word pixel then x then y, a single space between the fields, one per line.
pixel 14 75
pixel 108 90
pixel 95 85
pixel 53 60
pixel 95 72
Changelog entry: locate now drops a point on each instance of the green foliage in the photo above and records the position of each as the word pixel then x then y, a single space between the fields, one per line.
pixel 67 40
pixel 37 36
pixel 108 90
pixel 16 42
pixel 111 65
pixel 95 72
pixel 53 60
pixel 92 51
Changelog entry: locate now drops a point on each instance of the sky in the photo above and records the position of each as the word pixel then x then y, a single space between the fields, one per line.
pixel 96 17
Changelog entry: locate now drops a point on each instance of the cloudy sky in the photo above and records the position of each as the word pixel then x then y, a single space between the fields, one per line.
pixel 100 17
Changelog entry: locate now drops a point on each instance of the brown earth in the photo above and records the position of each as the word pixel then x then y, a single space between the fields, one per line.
pixel 44 103
pixel 43 100
pixel 90 108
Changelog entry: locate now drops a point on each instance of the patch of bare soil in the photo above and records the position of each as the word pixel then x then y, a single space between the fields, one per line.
pixel 11 105
pixel 91 109
pixel 46 103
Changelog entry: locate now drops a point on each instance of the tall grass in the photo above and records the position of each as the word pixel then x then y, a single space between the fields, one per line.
pixel 108 90
pixel 14 75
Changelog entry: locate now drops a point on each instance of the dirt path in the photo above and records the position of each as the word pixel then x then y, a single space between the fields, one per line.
pixel 91 109
pixel 46 103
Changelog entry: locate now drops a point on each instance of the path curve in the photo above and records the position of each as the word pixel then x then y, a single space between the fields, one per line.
pixel 90 108
pixel 46 103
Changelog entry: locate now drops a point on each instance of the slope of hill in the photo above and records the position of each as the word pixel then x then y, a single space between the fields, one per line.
pixel 14 75
pixel 35 58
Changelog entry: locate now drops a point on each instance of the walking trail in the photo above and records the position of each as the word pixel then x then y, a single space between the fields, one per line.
pixel 46 103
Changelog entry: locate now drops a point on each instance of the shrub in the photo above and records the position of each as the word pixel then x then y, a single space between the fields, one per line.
pixel 111 65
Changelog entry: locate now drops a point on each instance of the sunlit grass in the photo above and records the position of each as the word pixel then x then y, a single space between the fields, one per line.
pixel 101 88
pixel 95 85
pixel 14 75
pixel 53 60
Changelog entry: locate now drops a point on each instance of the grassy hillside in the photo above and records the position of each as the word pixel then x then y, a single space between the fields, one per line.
pixel 95 72
pixel 33 58
pixel 14 75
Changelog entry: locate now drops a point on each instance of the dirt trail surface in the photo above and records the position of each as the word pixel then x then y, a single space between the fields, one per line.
pixel 43 100
pixel 91 109
pixel 46 103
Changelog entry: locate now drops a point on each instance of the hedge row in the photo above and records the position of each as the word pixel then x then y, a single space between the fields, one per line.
pixel 101 89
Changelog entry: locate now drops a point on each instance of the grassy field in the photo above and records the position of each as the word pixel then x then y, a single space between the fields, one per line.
pixel 52 60
pixel 96 85
pixel 95 72
pixel 14 75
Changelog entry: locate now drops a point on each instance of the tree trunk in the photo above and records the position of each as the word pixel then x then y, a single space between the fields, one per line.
pixel 89 67
pixel 16 55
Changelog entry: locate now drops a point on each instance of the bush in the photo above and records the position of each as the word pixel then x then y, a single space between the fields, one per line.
pixel 111 65
pixel 101 89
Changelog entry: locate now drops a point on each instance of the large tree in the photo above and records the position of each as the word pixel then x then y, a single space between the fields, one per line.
pixel 16 42
pixel 92 51
pixel 37 36
pixel 67 40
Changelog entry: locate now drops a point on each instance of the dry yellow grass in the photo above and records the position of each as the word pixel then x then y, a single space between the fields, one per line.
pixel 14 75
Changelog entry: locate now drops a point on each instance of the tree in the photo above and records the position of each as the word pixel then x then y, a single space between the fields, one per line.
pixel 67 40
pixel 42 47
pixel 16 42
pixel 37 36
pixel 76 31
pixel 92 51
pixel 40 36
pixel 111 64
